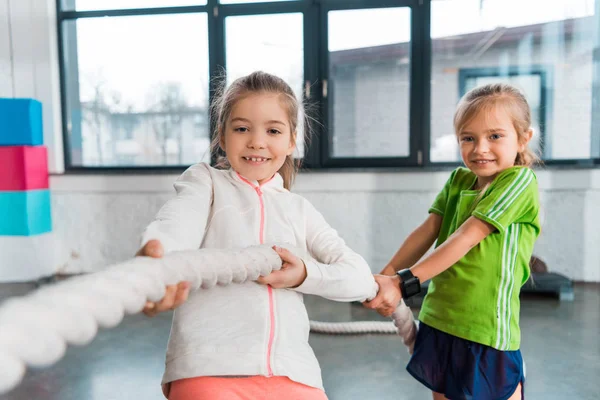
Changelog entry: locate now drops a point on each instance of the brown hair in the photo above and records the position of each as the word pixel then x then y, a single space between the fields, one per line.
pixel 259 82
pixel 485 98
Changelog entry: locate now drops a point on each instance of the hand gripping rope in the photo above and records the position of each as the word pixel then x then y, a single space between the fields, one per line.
pixel 36 329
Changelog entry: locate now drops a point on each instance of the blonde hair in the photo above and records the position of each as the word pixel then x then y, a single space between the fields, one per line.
pixel 259 82
pixel 484 99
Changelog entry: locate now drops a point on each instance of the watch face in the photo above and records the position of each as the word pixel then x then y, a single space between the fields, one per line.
pixel 412 287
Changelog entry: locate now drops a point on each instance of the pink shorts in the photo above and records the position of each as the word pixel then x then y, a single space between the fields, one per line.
pixel 246 388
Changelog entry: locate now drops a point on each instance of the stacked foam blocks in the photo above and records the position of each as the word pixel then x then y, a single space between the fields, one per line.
pixel 25 209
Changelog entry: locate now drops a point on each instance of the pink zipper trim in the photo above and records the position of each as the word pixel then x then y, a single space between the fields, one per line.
pixel 269 288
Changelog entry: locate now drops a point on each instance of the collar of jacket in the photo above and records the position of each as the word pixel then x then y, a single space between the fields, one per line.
pixel 275 183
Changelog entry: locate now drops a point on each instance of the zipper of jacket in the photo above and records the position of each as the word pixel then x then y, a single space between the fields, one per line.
pixel 269 288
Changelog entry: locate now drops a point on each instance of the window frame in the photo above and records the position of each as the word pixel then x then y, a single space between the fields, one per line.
pixel 418 80
pixel 316 72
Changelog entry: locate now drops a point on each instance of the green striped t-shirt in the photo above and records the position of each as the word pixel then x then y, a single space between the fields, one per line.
pixel 478 297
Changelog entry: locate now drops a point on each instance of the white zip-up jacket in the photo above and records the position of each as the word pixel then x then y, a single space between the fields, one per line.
pixel 252 329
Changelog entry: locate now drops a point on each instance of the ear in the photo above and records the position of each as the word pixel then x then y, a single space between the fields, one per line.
pixel 292 145
pixel 222 141
pixel 527 135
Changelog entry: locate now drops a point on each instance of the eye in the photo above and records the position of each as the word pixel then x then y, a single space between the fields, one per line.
pixel 241 129
pixel 274 131
pixel 496 136
pixel 466 139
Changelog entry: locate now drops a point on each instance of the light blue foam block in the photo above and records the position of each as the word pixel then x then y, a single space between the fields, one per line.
pixel 25 213
pixel 21 122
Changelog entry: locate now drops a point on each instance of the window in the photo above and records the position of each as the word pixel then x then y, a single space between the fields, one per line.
pixel 546 49
pixel 89 5
pixel 381 77
pixel 135 94
pixel 369 82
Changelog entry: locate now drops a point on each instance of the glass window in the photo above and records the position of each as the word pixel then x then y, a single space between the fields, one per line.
pixel 89 5
pixel 137 95
pixel 368 87
pixel 251 45
pixel 557 38
pixel 250 1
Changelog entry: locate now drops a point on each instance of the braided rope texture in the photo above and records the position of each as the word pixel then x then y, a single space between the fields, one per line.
pixel 36 329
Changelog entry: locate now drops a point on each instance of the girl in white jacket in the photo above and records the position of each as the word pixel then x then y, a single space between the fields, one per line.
pixel 250 341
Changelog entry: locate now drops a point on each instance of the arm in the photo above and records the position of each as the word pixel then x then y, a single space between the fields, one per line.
pixel 415 245
pixel 180 223
pixel 333 271
pixel 469 235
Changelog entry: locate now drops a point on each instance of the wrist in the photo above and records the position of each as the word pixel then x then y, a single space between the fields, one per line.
pixel 388 270
pixel 302 276
pixel 409 284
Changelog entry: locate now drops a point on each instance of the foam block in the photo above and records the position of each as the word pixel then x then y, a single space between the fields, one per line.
pixel 23 168
pixel 25 213
pixel 20 122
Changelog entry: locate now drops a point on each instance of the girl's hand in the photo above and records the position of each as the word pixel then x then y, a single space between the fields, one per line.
pixel 292 273
pixel 388 297
pixel 175 295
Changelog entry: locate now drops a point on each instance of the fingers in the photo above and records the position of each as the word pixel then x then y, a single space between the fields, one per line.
pixel 182 293
pixel 285 255
pixel 272 279
pixel 149 309
pixel 175 295
pixel 383 304
pixel 153 248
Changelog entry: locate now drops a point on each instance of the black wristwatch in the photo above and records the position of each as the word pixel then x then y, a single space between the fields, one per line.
pixel 409 284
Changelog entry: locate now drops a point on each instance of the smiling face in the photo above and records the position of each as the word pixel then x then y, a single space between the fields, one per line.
pixel 257 136
pixel 489 143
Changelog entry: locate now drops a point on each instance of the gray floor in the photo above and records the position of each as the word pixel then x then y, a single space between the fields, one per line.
pixel 561 346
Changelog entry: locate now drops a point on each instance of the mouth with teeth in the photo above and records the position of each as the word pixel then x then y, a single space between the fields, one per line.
pixel 482 162
pixel 256 160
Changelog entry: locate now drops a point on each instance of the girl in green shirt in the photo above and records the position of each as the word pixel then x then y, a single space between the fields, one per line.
pixel 485 222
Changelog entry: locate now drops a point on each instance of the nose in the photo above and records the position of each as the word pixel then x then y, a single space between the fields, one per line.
pixel 482 146
pixel 257 141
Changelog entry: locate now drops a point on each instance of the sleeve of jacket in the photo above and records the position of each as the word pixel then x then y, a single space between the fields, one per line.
pixel 334 271
pixel 181 221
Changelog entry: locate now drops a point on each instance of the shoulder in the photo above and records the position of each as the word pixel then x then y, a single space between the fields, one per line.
pixel 513 186
pixel 197 176
pixel 517 177
pixel 203 173
pixel 292 199
pixel 460 177
pixel 297 204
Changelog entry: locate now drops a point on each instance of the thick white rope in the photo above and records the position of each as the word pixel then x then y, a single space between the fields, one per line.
pixel 403 324
pixel 36 329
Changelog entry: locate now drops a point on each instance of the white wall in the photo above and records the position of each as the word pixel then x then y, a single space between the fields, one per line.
pixel 29 64
pixel 98 219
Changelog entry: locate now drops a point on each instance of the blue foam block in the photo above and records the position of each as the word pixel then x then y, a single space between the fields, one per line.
pixel 25 213
pixel 21 122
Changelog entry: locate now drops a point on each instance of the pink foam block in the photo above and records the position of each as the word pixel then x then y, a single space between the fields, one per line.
pixel 23 168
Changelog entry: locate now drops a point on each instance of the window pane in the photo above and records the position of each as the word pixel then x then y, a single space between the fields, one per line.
pixel 137 95
pixel 89 5
pixel 546 49
pixel 368 86
pixel 250 1
pixel 251 46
